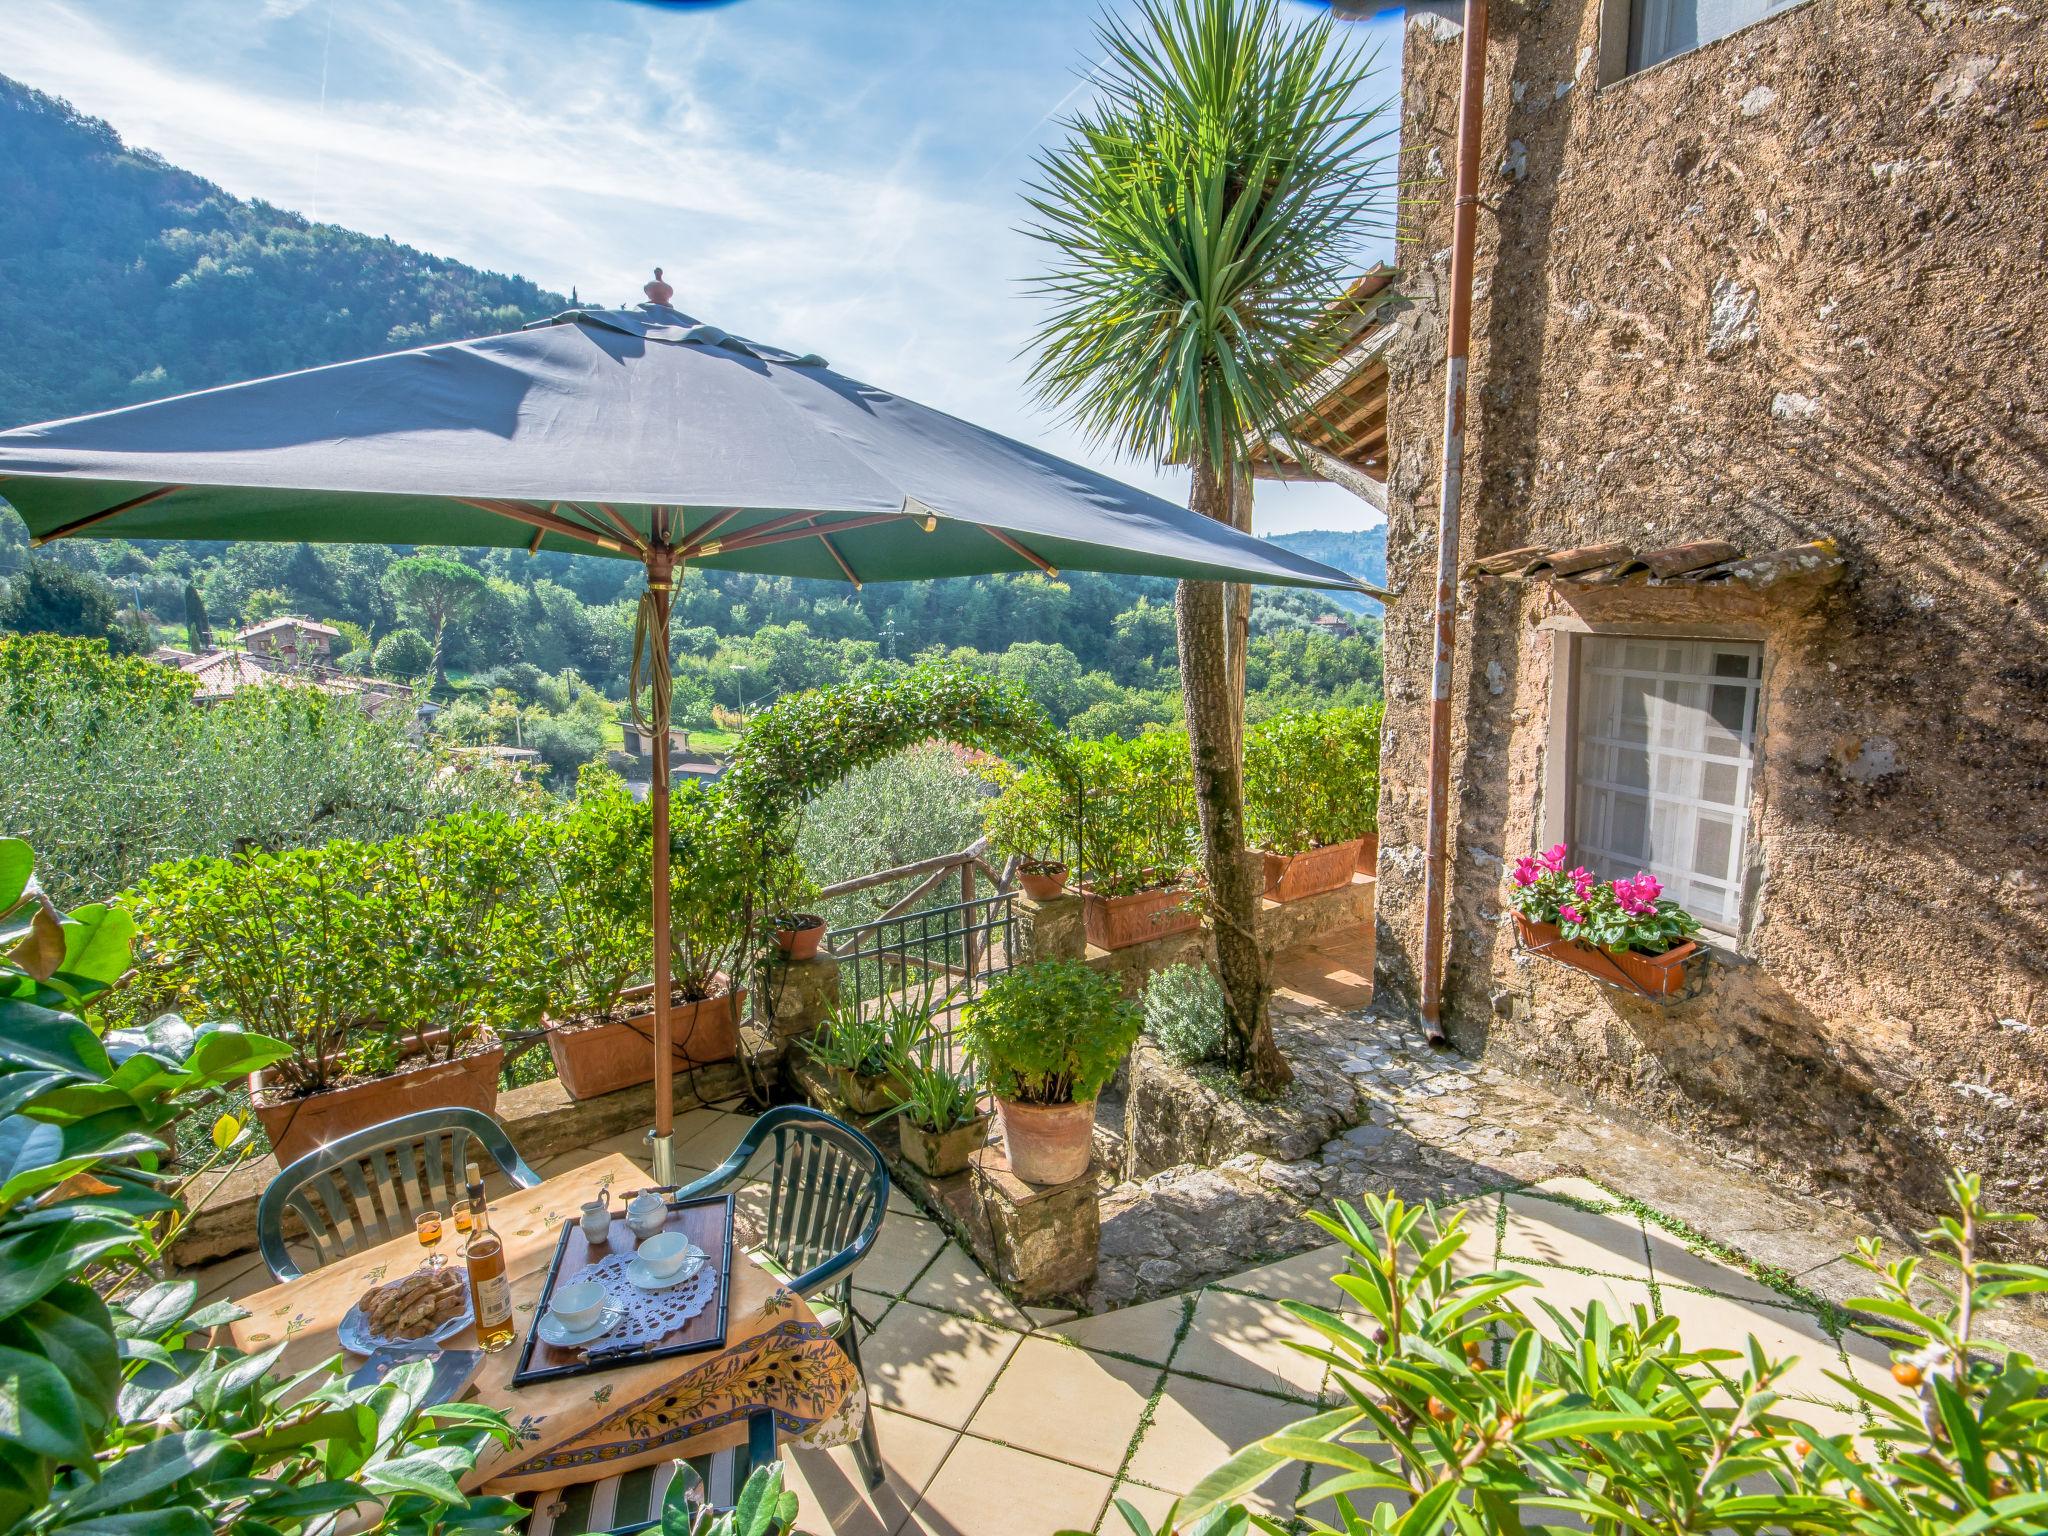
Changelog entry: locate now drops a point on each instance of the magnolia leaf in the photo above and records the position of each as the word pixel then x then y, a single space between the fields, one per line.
pixel 38 1408
pixel 41 951
pixel 148 1470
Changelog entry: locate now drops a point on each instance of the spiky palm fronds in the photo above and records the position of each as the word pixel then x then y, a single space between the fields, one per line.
pixel 1205 214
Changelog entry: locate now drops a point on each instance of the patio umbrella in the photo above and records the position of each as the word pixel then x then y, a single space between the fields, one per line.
pixel 639 434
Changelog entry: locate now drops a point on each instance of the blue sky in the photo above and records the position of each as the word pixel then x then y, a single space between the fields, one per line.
pixel 841 176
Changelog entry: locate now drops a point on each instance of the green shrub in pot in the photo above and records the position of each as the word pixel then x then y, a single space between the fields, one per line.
pixel 1312 778
pixel 1047 1038
pixel 869 1046
pixel 940 1121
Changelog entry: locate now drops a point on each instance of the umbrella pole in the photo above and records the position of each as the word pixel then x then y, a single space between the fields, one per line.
pixel 660 578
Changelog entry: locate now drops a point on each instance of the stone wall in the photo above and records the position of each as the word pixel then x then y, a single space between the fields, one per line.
pixel 1783 287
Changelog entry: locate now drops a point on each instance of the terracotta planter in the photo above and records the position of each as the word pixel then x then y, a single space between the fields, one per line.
pixel 600 1058
pixel 1118 922
pixel 1042 882
pixel 1656 975
pixel 1290 877
pixel 801 943
pixel 866 1095
pixel 1047 1143
pixel 297 1125
pixel 1369 854
pixel 937 1154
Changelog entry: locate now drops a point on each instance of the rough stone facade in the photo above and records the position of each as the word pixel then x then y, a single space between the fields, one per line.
pixel 1784 287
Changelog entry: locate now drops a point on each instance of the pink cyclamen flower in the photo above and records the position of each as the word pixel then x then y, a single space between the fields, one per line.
pixel 1647 886
pixel 1582 882
pixel 1525 872
pixel 1632 898
pixel 1554 859
pixel 1571 914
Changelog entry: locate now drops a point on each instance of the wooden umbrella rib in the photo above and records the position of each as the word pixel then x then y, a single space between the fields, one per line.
pixel 696 540
pixel 534 517
pixel 533 546
pixel 78 525
pixel 773 525
pixel 611 516
pixel 752 540
pixel 840 560
pixel 1014 547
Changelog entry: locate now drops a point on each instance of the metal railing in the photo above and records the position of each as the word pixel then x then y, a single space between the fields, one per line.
pixel 948 951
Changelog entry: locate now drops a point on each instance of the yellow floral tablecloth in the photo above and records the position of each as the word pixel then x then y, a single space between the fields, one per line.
pixel 776 1356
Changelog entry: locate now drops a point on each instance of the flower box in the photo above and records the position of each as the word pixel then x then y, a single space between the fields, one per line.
pixel 939 1154
pixel 593 1058
pixel 1118 922
pixel 1294 877
pixel 297 1125
pixel 1652 975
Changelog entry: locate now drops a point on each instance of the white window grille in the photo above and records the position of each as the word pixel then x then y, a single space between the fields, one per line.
pixel 1662 29
pixel 1665 745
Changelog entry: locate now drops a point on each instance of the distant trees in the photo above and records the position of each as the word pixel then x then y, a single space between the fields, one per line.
pixel 48 598
pixel 198 629
pixel 434 591
pixel 403 655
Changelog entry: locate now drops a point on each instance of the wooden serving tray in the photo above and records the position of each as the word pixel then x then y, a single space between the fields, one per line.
pixel 706 1221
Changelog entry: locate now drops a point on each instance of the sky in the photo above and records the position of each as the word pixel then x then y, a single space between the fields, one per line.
pixel 837 176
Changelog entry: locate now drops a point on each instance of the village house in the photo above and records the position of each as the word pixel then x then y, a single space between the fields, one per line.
pixel 290 639
pixel 1753 591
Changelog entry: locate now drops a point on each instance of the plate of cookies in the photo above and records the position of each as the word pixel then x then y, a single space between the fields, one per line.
pixel 421 1308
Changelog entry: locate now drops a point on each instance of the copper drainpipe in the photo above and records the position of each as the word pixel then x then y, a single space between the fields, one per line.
pixel 1464 234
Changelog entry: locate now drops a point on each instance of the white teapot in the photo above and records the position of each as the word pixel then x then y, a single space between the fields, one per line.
pixel 646 1213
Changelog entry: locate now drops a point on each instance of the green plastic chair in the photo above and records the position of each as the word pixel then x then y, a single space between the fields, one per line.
pixel 367 1187
pixel 828 1190
pixel 628 1503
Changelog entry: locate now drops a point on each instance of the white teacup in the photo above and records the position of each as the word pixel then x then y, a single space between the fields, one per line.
pixel 666 1252
pixel 578 1305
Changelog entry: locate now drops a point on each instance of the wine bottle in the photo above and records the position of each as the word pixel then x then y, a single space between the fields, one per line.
pixel 490 1292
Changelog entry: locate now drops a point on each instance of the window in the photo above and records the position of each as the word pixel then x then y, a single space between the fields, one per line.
pixel 1664 745
pixel 1659 29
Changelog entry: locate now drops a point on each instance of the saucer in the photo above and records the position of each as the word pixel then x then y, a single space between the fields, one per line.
pixel 552 1332
pixel 643 1277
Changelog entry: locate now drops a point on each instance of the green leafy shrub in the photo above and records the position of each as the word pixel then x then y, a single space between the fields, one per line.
pixel 1459 1416
pixel 1121 812
pixel 1184 1013
pixel 1051 1033
pixel 1312 778
pixel 914 804
pixel 404 655
pixel 119 1416
pixel 592 863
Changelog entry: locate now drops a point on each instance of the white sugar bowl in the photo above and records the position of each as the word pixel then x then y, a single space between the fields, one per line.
pixel 646 1213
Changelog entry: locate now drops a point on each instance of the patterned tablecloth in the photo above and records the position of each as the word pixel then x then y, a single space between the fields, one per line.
pixel 776 1355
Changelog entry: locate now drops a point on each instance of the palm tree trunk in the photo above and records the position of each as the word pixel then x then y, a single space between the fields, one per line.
pixel 1200 611
pixel 1239 603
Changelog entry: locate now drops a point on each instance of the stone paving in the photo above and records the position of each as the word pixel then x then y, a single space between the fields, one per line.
pixel 993 1419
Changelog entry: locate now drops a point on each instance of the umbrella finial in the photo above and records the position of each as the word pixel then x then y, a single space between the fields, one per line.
pixel 657 291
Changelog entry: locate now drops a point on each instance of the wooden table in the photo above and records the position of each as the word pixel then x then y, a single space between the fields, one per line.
pixel 776 1355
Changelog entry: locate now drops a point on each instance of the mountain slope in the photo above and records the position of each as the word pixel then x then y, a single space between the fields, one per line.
pixel 123 278
pixel 1358 552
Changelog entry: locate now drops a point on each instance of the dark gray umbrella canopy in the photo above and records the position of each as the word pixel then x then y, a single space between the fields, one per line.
pixel 575 425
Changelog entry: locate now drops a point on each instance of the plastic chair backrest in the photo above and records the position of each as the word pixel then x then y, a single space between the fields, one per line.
pixel 367 1187
pixel 828 1190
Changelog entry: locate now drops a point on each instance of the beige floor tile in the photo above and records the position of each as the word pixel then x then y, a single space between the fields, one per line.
pixel 1059 1401
pixel 1574 1188
pixel 1198 1425
pixel 236 1276
pixel 832 1493
pixel 1245 1339
pixel 992 1490
pixel 1305 1277
pixel 934 1364
pixel 1546 1232
pixel 953 1282
pixel 902 1249
pixel 1151 1503
pixel 1783 1332
pixel 1675 1264
pixel 1047 1317
pixel 1144 1332
pixel 901 1203
pixel 705 1137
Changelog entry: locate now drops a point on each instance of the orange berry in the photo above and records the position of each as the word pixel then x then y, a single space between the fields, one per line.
pixel 1802 1448
pixel 1906 1374
pixel 1861 1499
pixel 1441 1411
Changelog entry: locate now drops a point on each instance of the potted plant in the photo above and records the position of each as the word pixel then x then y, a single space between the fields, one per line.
pixel 865 1048
pixel 593 872
pixel 1047 1037
pixel 387 968
pixel 1136 832
pixel 1030 819
pixel 788 890
pixel 940 1122
pixel 1624 931
pixel 1311 796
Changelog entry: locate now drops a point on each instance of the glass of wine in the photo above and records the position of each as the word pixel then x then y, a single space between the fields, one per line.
pixel 428 1225
pixel 462 1212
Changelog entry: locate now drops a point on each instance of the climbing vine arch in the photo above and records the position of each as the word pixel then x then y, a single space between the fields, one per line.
pixel 807 742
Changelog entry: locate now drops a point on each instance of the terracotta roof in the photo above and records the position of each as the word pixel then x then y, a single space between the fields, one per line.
pixel 221 673
pixel 1696 563
pixel 290 621
pixel 1349 416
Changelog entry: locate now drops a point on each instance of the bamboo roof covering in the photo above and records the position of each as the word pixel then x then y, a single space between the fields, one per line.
pixel 1348 417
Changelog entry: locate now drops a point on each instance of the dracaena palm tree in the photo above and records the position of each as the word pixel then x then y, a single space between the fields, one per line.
pixel 1204 215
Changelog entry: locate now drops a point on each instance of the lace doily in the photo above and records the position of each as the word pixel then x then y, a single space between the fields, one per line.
pixel 649 1315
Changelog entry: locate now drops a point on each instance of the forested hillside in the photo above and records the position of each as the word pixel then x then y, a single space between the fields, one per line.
pixel 124 278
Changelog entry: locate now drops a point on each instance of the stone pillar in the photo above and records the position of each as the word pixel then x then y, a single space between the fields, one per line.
pixel 1038 1241
pixel 1049 930
pixel 793 997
